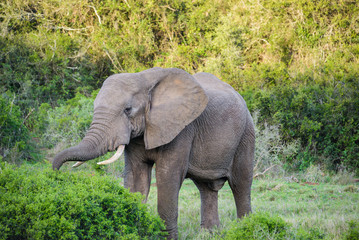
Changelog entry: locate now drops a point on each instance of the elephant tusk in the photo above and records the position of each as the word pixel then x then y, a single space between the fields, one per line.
pixel 77 164
pixel 114 157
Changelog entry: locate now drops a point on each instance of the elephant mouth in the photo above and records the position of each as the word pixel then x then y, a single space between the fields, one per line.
pixel 115 157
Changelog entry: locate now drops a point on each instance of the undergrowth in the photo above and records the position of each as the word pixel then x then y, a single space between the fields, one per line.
pixel 266 226
pixel 39 203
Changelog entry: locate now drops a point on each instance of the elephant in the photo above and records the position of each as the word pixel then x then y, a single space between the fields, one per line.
pixel 188 126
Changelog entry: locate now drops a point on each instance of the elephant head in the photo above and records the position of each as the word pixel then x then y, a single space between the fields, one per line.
pixel 156 104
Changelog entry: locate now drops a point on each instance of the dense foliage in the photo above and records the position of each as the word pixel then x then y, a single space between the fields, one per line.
pixel 38 203
pixel 264 226
pixel 296 61
pixel 69 121
pixel 13 135
pixel 353 232
pixel 324 119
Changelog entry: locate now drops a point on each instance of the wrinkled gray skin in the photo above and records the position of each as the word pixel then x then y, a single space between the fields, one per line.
pixel 195 127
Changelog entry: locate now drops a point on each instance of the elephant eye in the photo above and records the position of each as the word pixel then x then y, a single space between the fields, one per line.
pixel 128 110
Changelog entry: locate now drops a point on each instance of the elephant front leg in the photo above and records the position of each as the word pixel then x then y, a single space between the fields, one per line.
pixel 138 177
pixel 167 201
pixel 170 173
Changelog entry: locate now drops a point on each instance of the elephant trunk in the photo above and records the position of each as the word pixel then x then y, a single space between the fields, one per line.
pixel 82 152
pixel 91 146
pixel 94 145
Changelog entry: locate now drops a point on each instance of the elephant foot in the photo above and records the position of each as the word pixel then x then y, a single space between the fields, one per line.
pixel 172 234
pixel 210 223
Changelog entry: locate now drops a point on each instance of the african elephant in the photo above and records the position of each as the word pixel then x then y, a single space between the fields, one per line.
pixel 190 126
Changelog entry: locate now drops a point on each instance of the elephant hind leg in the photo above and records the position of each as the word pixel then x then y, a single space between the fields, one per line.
pixel 242 175
pixel 209 205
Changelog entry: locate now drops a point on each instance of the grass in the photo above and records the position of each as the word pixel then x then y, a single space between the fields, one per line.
pixel 325 206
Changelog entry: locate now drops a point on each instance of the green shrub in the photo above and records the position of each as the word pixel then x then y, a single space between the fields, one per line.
pixel 258 226
pixel 353 231
pixel 311 234
pixel 323 118
pixel 14 135
pixel 38 203
pixel 38 68
pixel 270 149
pixel 69 121
pixel 263 226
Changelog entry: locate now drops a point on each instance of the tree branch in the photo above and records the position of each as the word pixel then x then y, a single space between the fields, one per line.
pixel 262 173
pixel 99 18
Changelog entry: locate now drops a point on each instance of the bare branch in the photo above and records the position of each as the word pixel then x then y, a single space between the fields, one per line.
pixel 99 19
pixel 169 7
pixel 113 62
pixel 70 29
pixel 262 173
pixel 27 116
pixel 128 5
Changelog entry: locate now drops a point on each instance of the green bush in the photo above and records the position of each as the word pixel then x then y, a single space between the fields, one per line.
pixel 38 203
pixel 270 149
pixel 263 226
pixel 69 121
pixel 353 231
pixel 258 226
pixel 14 135
pixel 323 118
pixel 43 72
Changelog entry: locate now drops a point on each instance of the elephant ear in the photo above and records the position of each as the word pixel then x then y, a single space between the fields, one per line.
pixel 176 99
